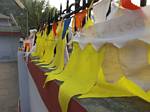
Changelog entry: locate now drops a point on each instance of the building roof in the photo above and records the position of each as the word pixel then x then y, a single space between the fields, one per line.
pixel 10 31
pixel 10 34
pixel 2 16
pixel 7 28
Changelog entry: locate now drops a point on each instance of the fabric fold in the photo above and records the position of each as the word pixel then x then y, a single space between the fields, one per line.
pixel 86 74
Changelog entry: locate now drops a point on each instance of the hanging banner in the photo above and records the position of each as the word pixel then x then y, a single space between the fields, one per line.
pixel 54 28
pixel 66 25
pixel 79 17
pixel 129 5
pixel 100 10
pixel 133 25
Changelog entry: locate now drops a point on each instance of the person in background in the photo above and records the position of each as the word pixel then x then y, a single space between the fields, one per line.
pixel 29 41
pixel 20 46
pixel 29 46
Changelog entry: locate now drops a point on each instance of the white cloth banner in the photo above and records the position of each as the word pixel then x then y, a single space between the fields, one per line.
pixel 100 10
pixel 132 25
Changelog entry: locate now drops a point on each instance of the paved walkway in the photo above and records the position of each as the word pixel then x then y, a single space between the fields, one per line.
pixel 8 87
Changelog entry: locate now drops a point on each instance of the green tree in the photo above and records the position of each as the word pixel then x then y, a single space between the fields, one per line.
pixel 38 11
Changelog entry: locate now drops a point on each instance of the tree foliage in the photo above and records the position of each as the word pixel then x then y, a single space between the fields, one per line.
pixel 38 12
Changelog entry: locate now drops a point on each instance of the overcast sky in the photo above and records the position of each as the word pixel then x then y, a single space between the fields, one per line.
pixel 57 3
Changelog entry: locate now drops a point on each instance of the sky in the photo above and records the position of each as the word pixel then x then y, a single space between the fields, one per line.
pixel 138 2
pixel 57 3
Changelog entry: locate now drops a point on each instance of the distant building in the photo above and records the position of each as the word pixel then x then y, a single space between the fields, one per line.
pixel 9 36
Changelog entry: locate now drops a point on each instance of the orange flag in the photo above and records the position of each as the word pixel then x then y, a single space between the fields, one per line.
pixel 79 17
pixel 54 28
pixel 129 5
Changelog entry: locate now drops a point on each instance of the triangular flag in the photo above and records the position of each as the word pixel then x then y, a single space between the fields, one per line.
pixel 54 28
pixel 66 25
pixel 129 5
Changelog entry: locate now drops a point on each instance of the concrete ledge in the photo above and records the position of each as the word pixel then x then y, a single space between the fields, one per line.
pixel 7 60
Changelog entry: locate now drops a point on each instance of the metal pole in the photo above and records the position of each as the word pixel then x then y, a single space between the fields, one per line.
pixel 77 4
pixel 27 22
pixel 143 3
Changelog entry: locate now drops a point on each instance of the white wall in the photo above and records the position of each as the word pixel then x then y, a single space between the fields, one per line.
pixel 4 23
pixel 8 48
